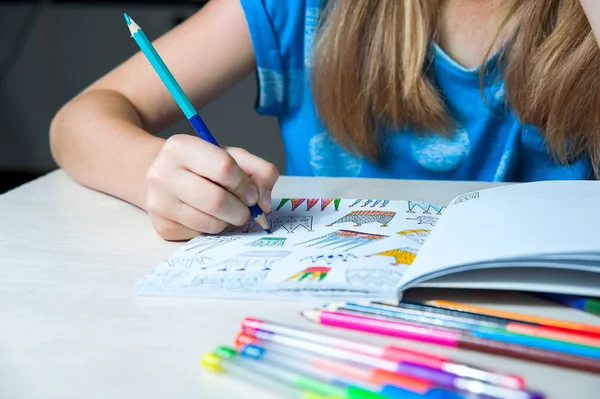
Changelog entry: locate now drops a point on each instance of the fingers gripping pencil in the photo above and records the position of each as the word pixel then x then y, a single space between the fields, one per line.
pixel 182 101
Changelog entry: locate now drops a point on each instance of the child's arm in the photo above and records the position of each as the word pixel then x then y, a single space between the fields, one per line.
pixel 100 138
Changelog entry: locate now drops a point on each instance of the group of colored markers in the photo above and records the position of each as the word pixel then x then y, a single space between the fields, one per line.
pixel 301 363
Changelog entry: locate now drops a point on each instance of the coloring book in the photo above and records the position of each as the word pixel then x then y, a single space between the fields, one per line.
pixel 534 236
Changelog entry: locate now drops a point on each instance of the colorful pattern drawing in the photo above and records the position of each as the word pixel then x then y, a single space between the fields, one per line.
pixel 291 223
pixel 367 202
pixel 417 235
pixel 344 238
pixel 431 220
pixel 251 260
pixel 282 203
pixel 204 243
pixel 296 202
pixel 315 272
pixel 329 259
pixel 402 256
pixel 310 203
pixel 425 207
pixel 379 278
pixel 268 242
pixel 326 201
pixel 363 217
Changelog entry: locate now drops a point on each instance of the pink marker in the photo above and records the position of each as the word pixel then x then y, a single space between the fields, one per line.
pixel 390 352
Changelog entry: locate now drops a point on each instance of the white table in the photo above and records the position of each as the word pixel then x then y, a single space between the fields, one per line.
pixel 72 327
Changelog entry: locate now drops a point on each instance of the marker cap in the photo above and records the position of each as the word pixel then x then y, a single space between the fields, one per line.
pixel 225 352
pixel 242 340
pixel 211 361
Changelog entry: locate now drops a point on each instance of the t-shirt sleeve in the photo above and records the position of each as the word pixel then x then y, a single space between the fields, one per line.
pixel 278 32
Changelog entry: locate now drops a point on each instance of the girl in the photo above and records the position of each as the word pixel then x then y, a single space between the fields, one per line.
pixel 495 90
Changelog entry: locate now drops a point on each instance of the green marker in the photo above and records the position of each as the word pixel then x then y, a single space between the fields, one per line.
pixel 226 365
pixel 300 381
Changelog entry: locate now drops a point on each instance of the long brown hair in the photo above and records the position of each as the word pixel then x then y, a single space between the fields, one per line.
pixel 365 78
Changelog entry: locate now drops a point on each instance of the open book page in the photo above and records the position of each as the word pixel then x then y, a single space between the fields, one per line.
pixel 546 224
pixel 531 279
pixel 318 247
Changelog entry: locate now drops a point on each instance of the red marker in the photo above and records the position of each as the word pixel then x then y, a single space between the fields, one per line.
pixel 389 352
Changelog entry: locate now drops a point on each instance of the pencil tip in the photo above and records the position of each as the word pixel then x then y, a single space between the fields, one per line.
pixel 127 19
pixel 262 222
pixel 312 315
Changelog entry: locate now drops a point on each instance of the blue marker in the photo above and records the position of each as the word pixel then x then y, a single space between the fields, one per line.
pixel 182 101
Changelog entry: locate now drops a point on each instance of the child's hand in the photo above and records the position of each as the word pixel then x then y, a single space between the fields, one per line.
pixel 195 187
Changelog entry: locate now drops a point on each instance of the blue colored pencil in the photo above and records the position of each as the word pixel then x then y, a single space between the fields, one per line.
pixel 182 101
pixel 589 305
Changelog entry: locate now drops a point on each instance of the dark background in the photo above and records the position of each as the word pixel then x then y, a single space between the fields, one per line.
pixel 51 50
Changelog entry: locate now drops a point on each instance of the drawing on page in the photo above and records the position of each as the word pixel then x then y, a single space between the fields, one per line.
pixel 379 278
pixel 268 242
pixel 310 203
pixel 431 220
pixel 328 258
pixel 162 278
pixel 343 239
pixel 296 202
pixel 417 235
pixel 226 281
pixel 363 217
pixel 291 223
pixel 402 256
pixel 466 197
pixel 252 260
pixel 425 207
pixel 204 243
pixel 312 273
pixel 326 201
pixel 188 262
pixel 247 228
pixel 374 203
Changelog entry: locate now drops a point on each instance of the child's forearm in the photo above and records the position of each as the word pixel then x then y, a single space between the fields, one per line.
pixel 99 141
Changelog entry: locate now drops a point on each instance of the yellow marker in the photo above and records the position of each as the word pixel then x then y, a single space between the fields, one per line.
pixel 219 364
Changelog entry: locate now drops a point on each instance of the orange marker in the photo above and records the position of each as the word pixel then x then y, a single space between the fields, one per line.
pixel 546 333
pixel 586 329
pixel 375 376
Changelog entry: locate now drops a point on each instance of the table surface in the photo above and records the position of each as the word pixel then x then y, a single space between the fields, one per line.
pixel 71 325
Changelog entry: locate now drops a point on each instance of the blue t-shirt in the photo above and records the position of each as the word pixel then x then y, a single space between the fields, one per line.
pixel 489 145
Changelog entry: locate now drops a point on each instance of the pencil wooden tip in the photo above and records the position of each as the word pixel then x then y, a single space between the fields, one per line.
pixel 312 315
pixel 133 27
pixel 262 222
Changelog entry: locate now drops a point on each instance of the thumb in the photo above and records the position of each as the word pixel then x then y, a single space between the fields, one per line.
pixel 261 173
